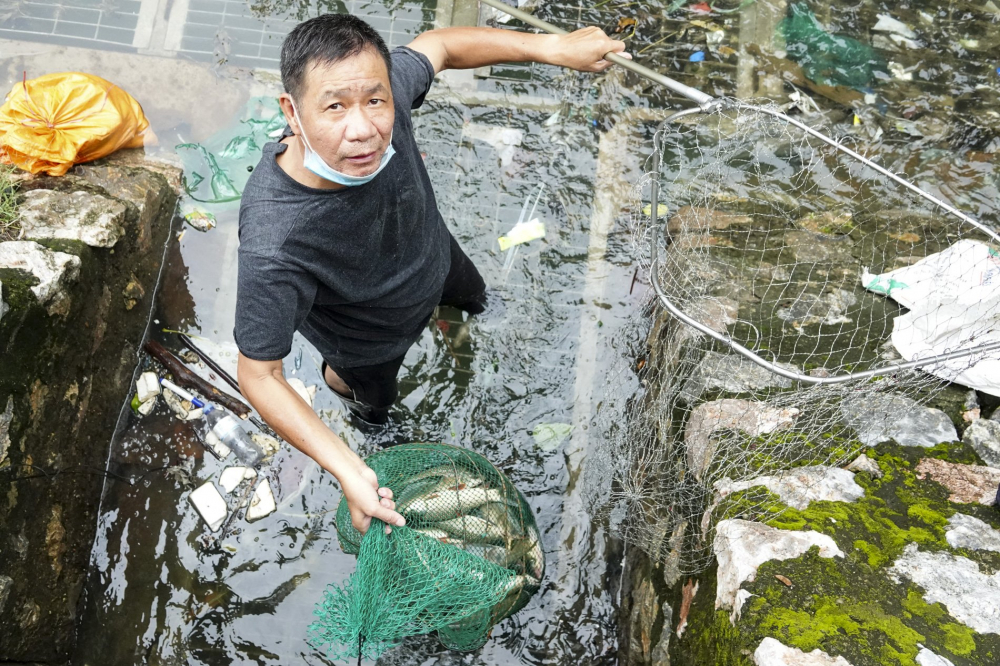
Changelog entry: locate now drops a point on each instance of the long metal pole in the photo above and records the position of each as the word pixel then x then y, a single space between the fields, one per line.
pixel 696 96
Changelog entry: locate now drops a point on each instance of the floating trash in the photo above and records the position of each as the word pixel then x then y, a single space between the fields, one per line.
pixel 210 505
pixel 200 219
pixel 232 477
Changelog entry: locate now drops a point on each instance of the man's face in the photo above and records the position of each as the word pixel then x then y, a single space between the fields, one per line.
pixel 346 111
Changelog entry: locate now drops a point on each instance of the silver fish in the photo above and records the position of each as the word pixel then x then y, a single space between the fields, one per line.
pixel 473 529
pixel 435 480
pixel 439 535
pixel 448 503
pixel 459 474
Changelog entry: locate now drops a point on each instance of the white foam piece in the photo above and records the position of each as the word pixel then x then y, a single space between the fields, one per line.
pixel 262 503
pixel 232 477
pixel 210 504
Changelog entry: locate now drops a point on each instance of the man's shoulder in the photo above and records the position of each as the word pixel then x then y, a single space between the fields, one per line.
pixel 412 75
pixel 268 209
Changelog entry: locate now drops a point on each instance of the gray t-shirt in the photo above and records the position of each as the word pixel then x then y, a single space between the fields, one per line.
pixel 358 270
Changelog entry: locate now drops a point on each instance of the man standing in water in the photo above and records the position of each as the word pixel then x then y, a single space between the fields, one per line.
pixel 340 235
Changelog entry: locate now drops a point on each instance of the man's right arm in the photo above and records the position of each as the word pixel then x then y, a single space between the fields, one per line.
pixel 263 384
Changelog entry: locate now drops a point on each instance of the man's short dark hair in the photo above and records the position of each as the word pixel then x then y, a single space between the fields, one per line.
pixel 325 40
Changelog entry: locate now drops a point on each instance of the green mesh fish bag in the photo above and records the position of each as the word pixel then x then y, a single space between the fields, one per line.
pixel 825 58
pixel 469 556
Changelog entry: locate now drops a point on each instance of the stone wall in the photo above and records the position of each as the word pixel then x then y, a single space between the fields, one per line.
pixel 892 559
pixel 76 290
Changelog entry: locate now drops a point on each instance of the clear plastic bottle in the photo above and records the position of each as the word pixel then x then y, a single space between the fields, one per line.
pixel 222 428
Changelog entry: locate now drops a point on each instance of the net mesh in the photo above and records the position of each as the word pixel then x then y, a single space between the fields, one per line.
pixel 469 556
pixel 764 236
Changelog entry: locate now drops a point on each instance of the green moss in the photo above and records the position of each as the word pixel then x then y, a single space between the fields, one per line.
pixel 957 638
pixel 74 247
pixel 17 286
pixel 849 606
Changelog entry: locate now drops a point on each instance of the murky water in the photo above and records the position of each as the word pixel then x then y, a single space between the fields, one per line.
pixel 161 592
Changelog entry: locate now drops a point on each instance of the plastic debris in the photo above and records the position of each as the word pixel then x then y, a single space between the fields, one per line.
pixel 232 477
pixel 825 58
pixel 504 140
pixel 951 297
pixel 147 386
pixel 697 56
pixel 50 123
pixel 269 445
pixel 200 219
pixel 522 232
pixel 217 170
pixel 184 410
pixel 899 72
pixel 904 41
pixel 262 503
pixel 210 505
pixel 661 210
pixel 182 393
pixel 222 428
pixel 886 23
pixel 146 407
pixel 548 436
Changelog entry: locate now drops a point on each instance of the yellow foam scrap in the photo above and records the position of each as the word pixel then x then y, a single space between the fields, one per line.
pixel 523 232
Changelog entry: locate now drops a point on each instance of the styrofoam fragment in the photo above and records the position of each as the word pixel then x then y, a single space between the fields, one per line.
pixel 210 504
pixel 147 386
pixel 146 407
pixel 262 503
pixel 232 477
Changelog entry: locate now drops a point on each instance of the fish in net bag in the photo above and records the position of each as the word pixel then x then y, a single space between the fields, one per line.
pixel 469 556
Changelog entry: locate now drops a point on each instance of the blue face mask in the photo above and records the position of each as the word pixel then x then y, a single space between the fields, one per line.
pixel 318 165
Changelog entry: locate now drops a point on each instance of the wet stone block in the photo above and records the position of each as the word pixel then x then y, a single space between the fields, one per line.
pixel 810 248
pixel 82 216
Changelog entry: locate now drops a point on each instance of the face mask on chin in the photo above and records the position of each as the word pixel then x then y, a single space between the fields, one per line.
pixel 317 165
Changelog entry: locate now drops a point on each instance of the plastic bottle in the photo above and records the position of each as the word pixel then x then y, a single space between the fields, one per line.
pixel 223 428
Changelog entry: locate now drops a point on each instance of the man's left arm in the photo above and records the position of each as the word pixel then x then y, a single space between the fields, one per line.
pixel 468 48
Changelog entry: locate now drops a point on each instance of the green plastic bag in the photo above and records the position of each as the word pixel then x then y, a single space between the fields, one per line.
pixel 216 171
pixel 825 58
pixel 469 556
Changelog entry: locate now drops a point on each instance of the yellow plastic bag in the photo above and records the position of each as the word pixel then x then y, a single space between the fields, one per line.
pixel 50 123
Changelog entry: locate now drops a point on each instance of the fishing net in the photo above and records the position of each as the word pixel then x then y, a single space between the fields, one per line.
pixel 469 556
pixel 760 350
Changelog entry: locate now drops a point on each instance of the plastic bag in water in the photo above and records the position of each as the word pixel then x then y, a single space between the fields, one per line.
pixel 825 58
pixel 217 170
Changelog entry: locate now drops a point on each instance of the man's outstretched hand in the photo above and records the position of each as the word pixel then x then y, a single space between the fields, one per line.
pixel 584 50
pixel 366 500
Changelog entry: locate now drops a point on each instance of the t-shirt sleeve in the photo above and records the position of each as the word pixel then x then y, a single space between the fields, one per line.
pixel 412 75
pixel 272 300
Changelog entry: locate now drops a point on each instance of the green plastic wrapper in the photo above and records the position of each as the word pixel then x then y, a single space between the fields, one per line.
pixel 469 556
pixel 825 58
pixel 217 170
